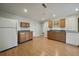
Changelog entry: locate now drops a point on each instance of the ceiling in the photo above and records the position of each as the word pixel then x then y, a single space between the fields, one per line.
pixel 37 12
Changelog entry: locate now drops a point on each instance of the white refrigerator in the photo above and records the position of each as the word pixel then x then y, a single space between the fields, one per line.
pixel 8 34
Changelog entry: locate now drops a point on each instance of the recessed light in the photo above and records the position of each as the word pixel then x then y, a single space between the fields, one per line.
pixel 76 9
pixel 25 10
pixel 54 15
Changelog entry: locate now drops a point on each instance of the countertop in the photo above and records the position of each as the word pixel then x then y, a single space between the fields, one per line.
pixel 70 31
pixel 56 31
pixel 24 30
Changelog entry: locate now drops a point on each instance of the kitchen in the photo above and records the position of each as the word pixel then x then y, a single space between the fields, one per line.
pixel 34 27
pixel 64 30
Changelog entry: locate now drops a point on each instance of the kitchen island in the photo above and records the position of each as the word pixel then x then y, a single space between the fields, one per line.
pixel 66 36
pixel 58 35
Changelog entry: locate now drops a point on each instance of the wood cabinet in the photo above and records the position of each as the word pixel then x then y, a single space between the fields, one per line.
pixel 24 24
pixel 50 24
pixel 58 36
pixel 31 35
pixel 62 23
pixel 24 36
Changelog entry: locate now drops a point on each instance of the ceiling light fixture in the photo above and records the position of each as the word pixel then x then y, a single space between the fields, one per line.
pixel 25 10
pixel 76 9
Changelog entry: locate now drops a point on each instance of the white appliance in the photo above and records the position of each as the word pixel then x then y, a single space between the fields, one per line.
pixel 8 34
pixel 72 38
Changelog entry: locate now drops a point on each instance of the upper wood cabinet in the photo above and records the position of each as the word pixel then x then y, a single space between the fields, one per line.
pixel 24 24
pixel 50 24
pixel 62 23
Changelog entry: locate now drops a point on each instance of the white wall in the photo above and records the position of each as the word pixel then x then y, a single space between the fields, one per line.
pixel 45 28
pixel 35 26
pixel 71 23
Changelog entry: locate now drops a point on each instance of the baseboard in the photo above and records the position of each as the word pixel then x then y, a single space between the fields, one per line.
pixel 72 45
pixel 57 41
pixel 8 49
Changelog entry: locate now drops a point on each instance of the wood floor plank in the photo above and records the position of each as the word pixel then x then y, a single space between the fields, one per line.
pixel 42 47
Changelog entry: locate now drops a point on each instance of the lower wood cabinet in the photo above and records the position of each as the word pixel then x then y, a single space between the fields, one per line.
pixel 31 35
pixel 24 36
pixel 58 36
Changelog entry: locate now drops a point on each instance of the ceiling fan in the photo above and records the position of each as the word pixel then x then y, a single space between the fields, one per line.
pixel 44 5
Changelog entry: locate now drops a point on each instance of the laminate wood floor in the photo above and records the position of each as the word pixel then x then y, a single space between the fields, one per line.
pixel 42 47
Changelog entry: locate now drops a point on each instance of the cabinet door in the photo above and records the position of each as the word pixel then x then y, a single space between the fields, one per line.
pixel 60 36
pixel 27 35
pixel 51 35
pixel 62 23
pixel 31 35
pixel 22 37
pixel 50 24
pixel 24 24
